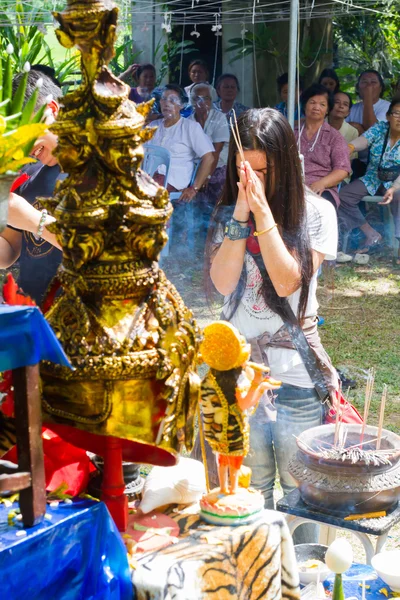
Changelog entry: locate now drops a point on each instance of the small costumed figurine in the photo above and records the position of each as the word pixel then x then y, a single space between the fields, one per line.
pixel 230 393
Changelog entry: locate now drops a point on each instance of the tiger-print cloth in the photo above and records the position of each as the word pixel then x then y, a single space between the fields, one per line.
pixel 7 433
pixel 226 427
pixel 250 562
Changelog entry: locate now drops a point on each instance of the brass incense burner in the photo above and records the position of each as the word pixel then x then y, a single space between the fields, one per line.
pixel 124 327
pixel 353 479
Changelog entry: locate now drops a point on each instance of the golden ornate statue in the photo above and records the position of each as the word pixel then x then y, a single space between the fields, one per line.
pixel 124 327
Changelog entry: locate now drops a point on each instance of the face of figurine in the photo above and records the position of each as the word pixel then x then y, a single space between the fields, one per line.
pixel 72 153
pixel 120 156
pixel 81 246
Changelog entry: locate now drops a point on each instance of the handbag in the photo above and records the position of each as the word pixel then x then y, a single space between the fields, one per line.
pixel 348 412
pixel 387 174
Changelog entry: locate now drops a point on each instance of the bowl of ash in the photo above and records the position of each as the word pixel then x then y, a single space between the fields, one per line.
pixel 311 562
pixel 387 565
pixel 346 472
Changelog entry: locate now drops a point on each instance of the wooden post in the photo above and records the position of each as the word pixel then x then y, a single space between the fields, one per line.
pixel 113 487
pixel 28 425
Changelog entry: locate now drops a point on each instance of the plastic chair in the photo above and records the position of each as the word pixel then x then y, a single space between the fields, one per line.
pixel 154 157
pixel 388 222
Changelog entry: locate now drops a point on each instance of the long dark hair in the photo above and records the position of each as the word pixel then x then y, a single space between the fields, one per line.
pixel 267 130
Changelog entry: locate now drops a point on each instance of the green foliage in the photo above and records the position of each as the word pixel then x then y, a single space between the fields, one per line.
pixel 261 41
pixel 124 55
pixel 362 320
pixel 370 41
pixel 25 33
pixel 169 51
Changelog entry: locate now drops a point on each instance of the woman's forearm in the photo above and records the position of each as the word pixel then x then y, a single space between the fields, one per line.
pixel 334 178
pixel 369 117
pixel 396 183
pixel 359 144
pixel 25 217
pixel 227 265
pixel 283 269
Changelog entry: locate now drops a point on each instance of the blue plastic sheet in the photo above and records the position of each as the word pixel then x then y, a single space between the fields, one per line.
pixel 354 577
pixel 26 338
pixel 76 554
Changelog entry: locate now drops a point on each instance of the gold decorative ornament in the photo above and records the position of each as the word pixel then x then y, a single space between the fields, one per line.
pixel 124 327
pixel 223 348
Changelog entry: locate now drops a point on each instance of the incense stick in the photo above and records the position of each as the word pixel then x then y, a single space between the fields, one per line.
pixel 236 135
pixel 368 396
pixel 381 416
pixel 203 448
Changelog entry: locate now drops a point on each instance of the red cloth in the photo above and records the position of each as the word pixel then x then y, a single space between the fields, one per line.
pixel 19 181
pixel 225 460
pixel 63 462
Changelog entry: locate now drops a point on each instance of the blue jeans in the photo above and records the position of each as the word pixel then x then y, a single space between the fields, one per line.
pixel 273 444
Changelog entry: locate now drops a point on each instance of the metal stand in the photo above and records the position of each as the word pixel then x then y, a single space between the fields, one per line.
pixel 298 513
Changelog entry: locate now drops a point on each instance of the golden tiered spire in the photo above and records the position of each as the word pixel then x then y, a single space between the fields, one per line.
pixel 126 330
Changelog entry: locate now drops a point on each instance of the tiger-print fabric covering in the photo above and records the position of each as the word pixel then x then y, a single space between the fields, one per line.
pixel 226 427
pixel 7 433
pixel 250 562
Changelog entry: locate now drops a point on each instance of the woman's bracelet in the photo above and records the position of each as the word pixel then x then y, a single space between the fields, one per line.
pixel 42 222
pixel 258 233
pixel 351 148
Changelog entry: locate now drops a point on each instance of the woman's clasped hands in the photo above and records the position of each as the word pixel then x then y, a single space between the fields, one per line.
pixel 251 195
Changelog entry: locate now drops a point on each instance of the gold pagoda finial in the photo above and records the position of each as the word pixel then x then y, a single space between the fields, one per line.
pixel 127 332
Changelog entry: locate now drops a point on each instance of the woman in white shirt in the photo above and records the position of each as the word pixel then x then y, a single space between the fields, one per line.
pixel 269 251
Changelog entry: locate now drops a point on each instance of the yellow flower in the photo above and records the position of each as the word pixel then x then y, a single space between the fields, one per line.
pixel 3 124
pixel 18 154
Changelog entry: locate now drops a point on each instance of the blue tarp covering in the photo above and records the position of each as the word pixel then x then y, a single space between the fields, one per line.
pixel 76 554
pixel 354 577
pixel 26 338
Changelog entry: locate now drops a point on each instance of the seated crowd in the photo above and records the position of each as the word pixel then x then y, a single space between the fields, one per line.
pixel 344 147
pixel 348 150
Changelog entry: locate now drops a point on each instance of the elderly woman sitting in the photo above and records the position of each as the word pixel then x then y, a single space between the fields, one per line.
pixel 381 178
pixel 187 143
pixel 215 125
pixel 325 152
